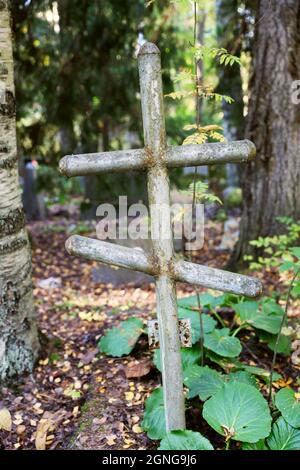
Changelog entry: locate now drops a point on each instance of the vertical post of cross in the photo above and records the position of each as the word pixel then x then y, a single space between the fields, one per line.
pixel 162 241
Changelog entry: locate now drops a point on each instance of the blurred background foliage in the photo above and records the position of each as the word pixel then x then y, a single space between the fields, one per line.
pixel 77 83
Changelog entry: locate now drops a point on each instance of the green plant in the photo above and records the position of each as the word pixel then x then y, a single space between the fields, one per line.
pixel 276 251
pixel 239 412
pixel 185 440
pixel 229 393
pixel 121 341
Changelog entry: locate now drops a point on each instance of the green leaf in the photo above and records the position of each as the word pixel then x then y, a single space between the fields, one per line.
pixel 208 322
pixel 296 251
pixel 202 381
pixel 284 436
pixel 154 417
pixel 221 343
pixel 238 411
pixel 224 362
pixel 242 376
pixel 185 440
pixel 189 357
pixel 269 319
pixel 263 373
pixel 260 445
pixel 121 340
pixel 296 290
pixel 284 344
pixel 206 300
pixel 289 406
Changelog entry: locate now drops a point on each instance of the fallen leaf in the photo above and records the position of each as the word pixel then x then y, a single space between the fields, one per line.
pixel 88 357
pixel 111 440
pixel 21 429
pixel 129 396
pixel 137 369
pixel 47 423
pixel 5 419
pixel 41 433
pixel 137 429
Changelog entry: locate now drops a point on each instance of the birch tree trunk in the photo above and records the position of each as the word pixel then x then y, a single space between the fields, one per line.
pixel 18 330
pixel 271 182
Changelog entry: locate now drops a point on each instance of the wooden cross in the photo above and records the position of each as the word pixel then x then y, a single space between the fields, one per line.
pixel 156 157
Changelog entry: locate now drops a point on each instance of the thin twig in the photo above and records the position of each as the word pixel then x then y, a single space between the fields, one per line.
pixel 194 188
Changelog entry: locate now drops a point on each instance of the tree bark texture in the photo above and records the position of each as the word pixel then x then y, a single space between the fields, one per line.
pixel 271 182
pixel 18 330
pixel 230 83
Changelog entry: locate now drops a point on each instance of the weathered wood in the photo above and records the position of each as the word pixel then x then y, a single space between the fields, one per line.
pixel 156 158
pixel 183 271
pixel 175 157
pixel 163 250
pixel 217 279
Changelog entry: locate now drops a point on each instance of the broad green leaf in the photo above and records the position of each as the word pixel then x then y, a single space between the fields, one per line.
pixel 296 251
pixel 121 340
pixel 262 373
pixel 185 440
pixel 287 266
pixel 284 436
pixel 267 319
pixel 206 300
pixel 284 344
pixel 154 417
pixel 270 307
pixel 211 302
pixel 260 445
pixel 225 362
pixel 238 411
pixel 221 343
pixel 189 357
pixel 289 406
pixel 208 322
pixel 242 376
pixel 202 381
pixel 296 290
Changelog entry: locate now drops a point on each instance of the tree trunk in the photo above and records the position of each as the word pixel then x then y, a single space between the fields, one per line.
pixel 271 185
pixel 18 330
pixel 229 37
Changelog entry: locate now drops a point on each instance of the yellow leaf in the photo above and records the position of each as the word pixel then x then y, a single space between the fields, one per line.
pixel 137 429
pixel 129 396
pixel 111 440
pixel 5 419
pixel 41 433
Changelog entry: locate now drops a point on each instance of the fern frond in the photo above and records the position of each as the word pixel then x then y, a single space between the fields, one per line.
pixel 217 136
pixel 196 138
pixel 178 95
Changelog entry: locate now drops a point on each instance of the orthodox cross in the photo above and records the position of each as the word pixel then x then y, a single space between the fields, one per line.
pixel 156 157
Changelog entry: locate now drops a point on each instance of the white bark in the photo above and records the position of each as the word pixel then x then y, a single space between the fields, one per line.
pixel 18 332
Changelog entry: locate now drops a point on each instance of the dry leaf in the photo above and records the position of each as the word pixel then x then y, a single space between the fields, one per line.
pixel 137 369
pixel 111 440
pixel 47 423
pixel 41 433
pixel 137 429
pixel 5 419
pixel 21 429
pixel 129 396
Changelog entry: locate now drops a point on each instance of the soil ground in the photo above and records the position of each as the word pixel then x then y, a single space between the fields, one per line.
pixel 77 397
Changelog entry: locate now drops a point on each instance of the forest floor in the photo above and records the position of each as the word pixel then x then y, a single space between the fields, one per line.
pixel 77 397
